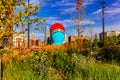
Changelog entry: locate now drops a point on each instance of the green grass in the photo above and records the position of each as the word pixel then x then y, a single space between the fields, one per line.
pixel 16 71
pixel 97 72
pixel 44 66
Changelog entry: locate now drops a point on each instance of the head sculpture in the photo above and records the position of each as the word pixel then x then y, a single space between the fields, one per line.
pixel 57 32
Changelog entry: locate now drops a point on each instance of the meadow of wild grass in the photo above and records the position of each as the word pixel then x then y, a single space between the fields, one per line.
pixel 55 63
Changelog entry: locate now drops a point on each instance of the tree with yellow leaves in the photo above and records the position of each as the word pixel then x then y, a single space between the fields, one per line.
pixel 9 19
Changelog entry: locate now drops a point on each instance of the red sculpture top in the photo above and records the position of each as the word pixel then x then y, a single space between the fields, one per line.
pixel 56 26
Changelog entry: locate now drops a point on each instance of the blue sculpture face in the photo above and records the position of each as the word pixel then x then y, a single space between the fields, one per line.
pixel 57 38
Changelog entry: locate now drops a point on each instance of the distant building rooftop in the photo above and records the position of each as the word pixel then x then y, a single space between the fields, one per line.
pixel 109 34
pixel 74 38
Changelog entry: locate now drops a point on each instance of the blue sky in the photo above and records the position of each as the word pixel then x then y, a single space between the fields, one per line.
pixel 64 11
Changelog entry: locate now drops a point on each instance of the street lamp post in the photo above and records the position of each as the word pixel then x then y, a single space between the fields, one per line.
pixel 28 45
pixel 103 2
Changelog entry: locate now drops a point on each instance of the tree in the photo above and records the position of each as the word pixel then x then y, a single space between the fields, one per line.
pixel 9 20
pixel 86 44
pixel 95 41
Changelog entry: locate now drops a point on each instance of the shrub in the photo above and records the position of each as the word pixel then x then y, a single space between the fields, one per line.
pixel 73 47
pixel 61 60
pixel 3 51
pixel 86 44
pixel 42 65
pixel 85 52
pixel 110 53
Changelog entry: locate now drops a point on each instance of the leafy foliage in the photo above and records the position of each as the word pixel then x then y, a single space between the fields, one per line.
pixel 110 53
pixel 96 41
pixel 10 19
pixel 42 65
pixel 112 39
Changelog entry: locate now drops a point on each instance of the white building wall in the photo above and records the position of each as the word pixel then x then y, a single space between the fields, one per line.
pixel 47 34
pixel 16 36
pixel 110 33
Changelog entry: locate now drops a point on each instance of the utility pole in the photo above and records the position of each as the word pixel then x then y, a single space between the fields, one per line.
pixel 91 36
pixel 28 45
pixel 79 4
pixel 103 2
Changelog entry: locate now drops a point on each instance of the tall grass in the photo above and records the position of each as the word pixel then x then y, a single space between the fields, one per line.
pixel 86 69
pixel 59 64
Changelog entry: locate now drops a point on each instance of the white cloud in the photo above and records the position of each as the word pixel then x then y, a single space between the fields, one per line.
pixel 87 3
pixel 87 22
pixel 67 10
pixel 98 11
pixel 70 6
pixel 62 4
pixel 111 10
pixel 116 3
pixel 52 18
pixel 71 3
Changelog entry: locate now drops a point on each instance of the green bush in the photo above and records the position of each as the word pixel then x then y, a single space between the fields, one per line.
pixel 61 60
pixel 85 52
pixel 59 66
pixel 86 44
pixel 3 51
pixel 110 53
